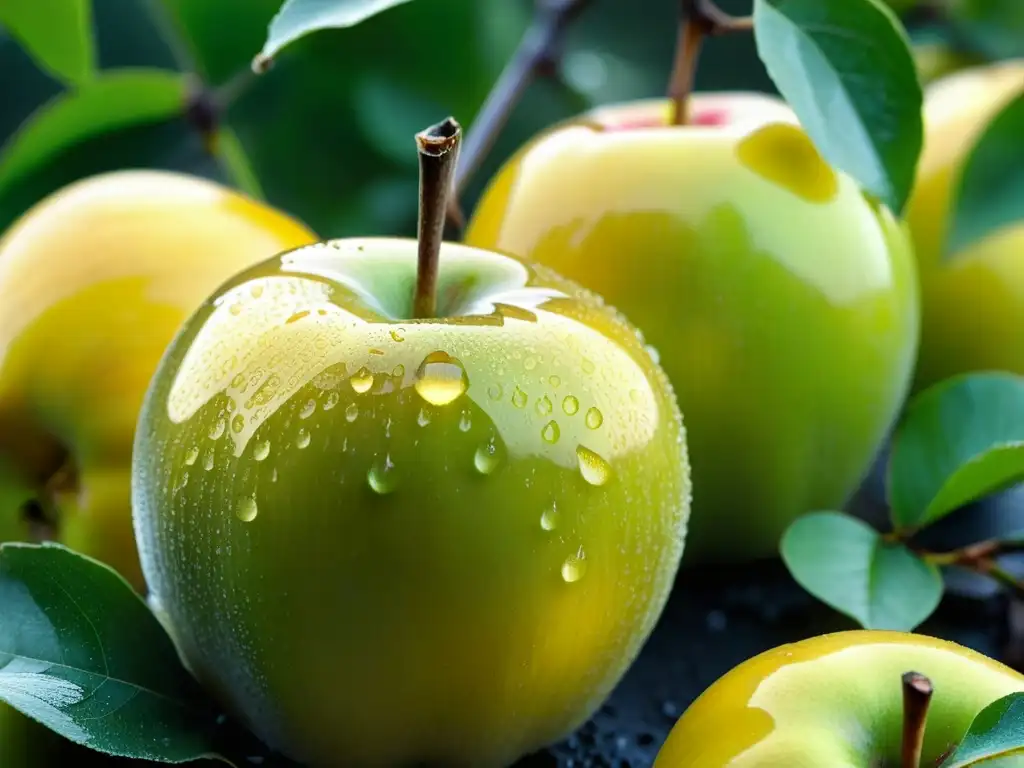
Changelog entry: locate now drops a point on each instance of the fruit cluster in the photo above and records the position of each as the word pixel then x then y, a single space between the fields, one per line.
pixel 350 512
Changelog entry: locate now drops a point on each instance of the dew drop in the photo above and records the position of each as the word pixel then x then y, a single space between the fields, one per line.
pixel 297 316
pixel 530 363
pixel 594 418
pixel 331 401
pixel 246 510
pixel 191 456
pixel 575 566
pixel 256 290
pixel 653 352
pixel 208 461
pixel 550 518
pixel 273 475
pixel 494 392
pixel 423 418
pixel 308 409
pixel 182 481
pixel 555 381
pixel 382 477
pixel 488 456
pixel 217 430
pixel 465 421
pixel 303 438
pixel 634 395
pixel 551 432
pixel 594 469
pixel 361 380
pixel 235 309
pixel 570 405
pixel 351 412
pixel 261 450
pixel 396 335
pixel 588 366
pixel 441 378
pixel 237 423
pixel 230 407
pixel 238 381
pixel 519 398
pixel 398 371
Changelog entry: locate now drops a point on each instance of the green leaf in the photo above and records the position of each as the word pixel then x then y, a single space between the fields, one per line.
pixel 845 563
pixel 56 33
pixel 997 731
pixel 960 440
pixel 992 27
pixel 846 68
pixel 991 188
pixel 117 99
pixel 298 18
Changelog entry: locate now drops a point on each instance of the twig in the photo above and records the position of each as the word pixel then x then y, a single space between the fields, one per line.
pixel 438 148
pixel 917 695
pixel 537 55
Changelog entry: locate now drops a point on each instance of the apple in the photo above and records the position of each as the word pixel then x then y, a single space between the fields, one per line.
pixel 835 700
pixel 972 302
pixel 95 281
pixel 358 518
pixel 781 300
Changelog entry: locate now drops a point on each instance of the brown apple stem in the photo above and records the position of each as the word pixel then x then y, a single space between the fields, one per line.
pixel 438 148
pixel 537 55
pixel 700 19
pixel 917 695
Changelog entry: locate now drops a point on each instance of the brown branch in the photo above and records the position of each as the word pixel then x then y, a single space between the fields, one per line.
pixel 917 695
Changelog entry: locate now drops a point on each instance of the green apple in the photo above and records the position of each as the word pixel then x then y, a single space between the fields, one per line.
pixel 836 701
pixel 972 301
pixel 383 540
pixel 781 300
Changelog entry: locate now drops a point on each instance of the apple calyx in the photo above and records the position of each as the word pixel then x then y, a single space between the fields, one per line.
pixel 917 695
pixel 438 149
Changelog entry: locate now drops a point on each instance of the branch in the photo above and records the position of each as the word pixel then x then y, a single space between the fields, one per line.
pixel 537 55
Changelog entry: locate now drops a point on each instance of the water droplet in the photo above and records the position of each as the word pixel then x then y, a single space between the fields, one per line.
pixel 361 380
pixel 230 407
pixel 217 430
pixel 351 412
pixel 246 510
pixel 256 290
pixel 551 432
pixel 555 381
pixel 303 438
pixel 191 456
pixel 399 371
pixel 634 395
pixel 376 351
pixel 308 409
pixel 544 406
pixel 594 418
pixel 261 450
pixel 654 353
pixel 519 398
pixel 550 518
pixel 441 378
pixel 331 401
pixel 208 461
pixel 238 381
pixel 423 418
pixel 297 316
pixel 570 405
pixel 488 456
pixel 382 477
pixel 238 423
pixel 594 469
pixel 588 366
pixel 494 391
pixel 182 481
pixel 273 475
pixel 465 421
pixel 575 566
pixel 235 309
pixel 530 363
pixel 396 335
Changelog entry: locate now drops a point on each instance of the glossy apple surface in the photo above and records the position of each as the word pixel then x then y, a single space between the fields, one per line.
pixel 94 282
pixel 972 301
pixel 835 700
pixel 460 528
pixel 781 301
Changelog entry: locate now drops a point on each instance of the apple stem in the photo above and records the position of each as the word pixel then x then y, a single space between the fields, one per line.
pixel 438 148
pixel 917 695
pixel 536 55
pixel 700 19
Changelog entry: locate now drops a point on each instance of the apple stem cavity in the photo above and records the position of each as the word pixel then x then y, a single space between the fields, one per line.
pixel 700 19
pixel 438 148
pixel 537 55
pixel 917 695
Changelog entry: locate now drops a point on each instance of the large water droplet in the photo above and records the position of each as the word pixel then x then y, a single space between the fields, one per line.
pixel 570 405
pixel 382 477
pixel 594 418
pixel 303 438
pixel 351 412
pixel 331 401
pixel 551 432
pixel 489 455
pixel 261 450
pixel 246 510
pixel 441 378
pixel 191 455
pixel 595 470
pixel 361 380
pixel 575 566
pixel 308 409
pixel 217 430
pixel 550 518
pixel 519 398
pixel 544 405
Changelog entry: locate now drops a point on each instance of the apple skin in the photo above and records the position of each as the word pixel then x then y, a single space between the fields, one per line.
pixel 835 700
pixel 972 302
pixel 341 555
pixel 782 302
pixel 95 281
